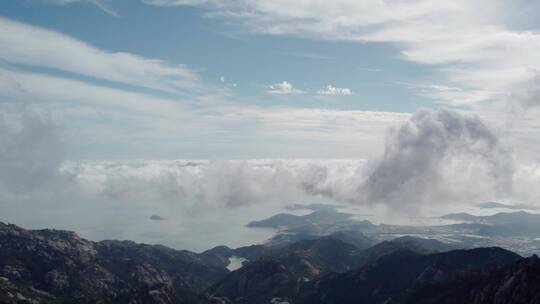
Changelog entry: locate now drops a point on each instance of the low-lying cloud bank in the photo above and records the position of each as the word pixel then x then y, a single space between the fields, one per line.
pixel 220 183
pixel 436 157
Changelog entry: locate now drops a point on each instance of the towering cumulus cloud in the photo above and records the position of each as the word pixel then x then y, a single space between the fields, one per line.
pixel 30 151
pixel 419 153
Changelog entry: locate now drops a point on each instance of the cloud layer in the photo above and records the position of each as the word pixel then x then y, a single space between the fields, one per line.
pixel 483 49
pixel 434 157
pixel 216 183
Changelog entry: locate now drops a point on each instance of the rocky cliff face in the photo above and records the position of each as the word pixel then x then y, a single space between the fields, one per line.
pixel 51 266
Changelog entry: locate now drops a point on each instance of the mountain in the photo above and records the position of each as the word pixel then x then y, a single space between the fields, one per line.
pixel 394 275
pixel 285 220
pixel 55 266
pixel 323 221
pixel 405 243
pixel 261 281
pixel 326 254
pixel 519 223
pixel 516 283
pixel 461 216
pixel 287 269
pixel 422 245
pixel 281 273
pixel 355 238
pixel 280 243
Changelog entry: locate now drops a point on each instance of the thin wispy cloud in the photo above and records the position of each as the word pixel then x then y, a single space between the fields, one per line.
pixel 107 116
pixel 35 46
pixel 459 96
pixel 369 69
pixel 100 4
pixel 310 56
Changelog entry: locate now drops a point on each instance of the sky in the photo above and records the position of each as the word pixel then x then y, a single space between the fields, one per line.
pixel 208 104
pixel 237 93
pixel 259 79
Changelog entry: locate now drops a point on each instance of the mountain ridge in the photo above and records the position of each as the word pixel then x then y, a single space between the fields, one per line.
pixel 57 266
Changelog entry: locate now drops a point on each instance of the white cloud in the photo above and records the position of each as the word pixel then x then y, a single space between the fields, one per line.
pixel 35 88
pixel 114 199
pixel 332 90
pixel 31 151
pixel 419 153
pixel 478 46
pixel 130 121
pixel 200 198
pixel 36 46
pixel 224 183
pixel 283 87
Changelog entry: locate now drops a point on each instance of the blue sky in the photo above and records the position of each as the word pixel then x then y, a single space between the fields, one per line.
pixel 214 49
pixel 258 79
